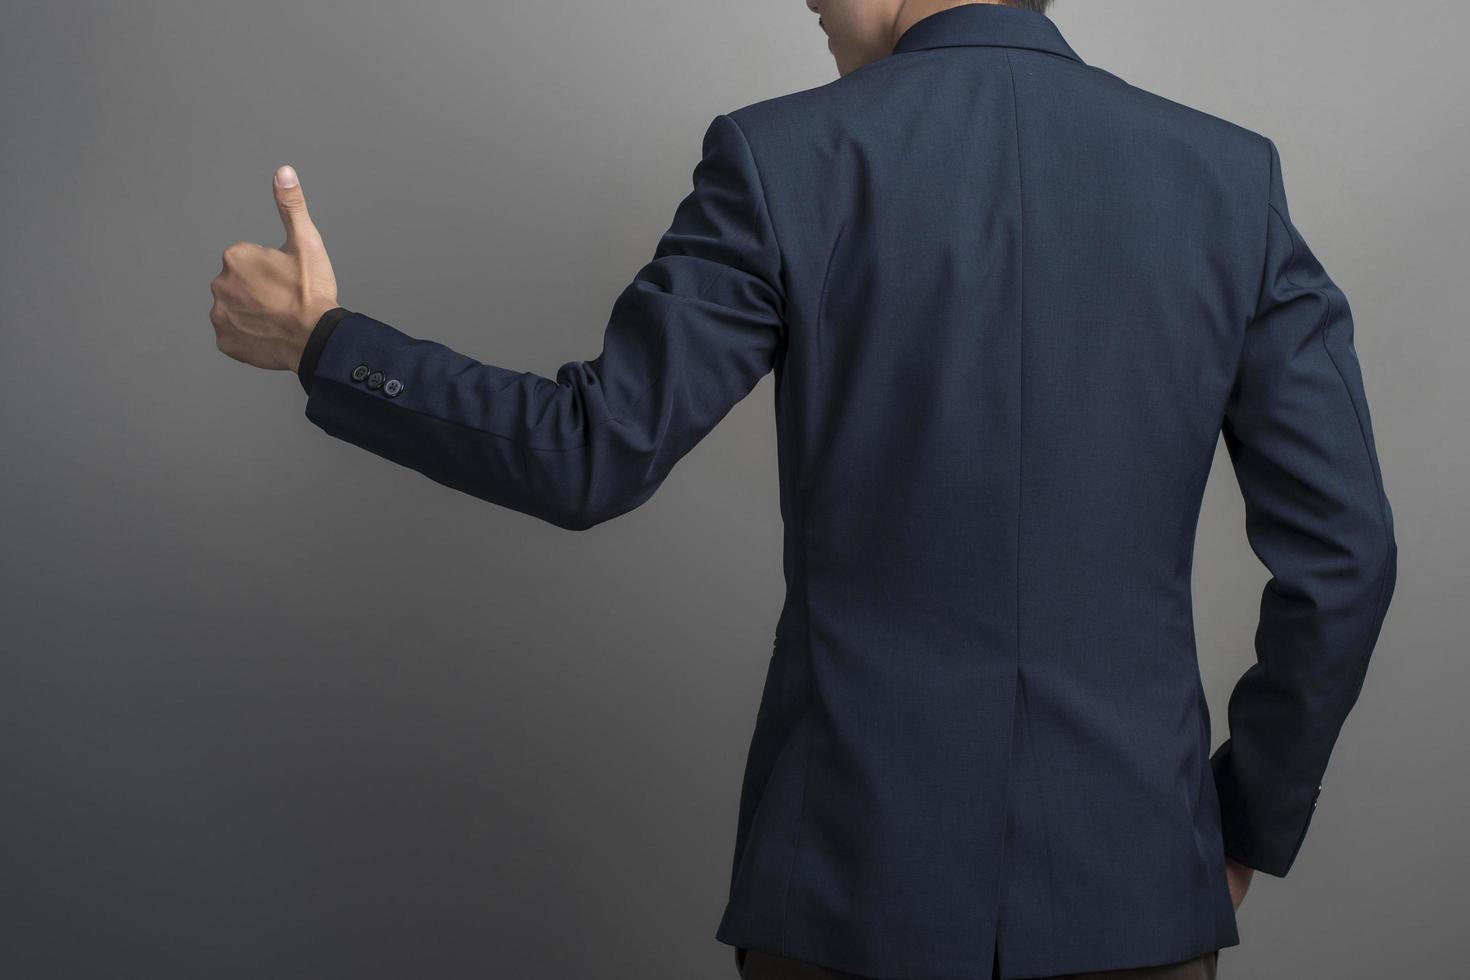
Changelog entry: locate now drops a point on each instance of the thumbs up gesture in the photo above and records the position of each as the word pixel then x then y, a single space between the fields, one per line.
pixel 267 300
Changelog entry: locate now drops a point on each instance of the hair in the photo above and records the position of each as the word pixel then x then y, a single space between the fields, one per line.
pixel 1037 5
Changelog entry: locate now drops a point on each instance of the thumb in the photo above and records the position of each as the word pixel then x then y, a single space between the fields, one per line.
pixel 291 202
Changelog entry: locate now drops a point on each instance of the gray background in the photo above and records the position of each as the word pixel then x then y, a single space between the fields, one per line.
pixel 273 707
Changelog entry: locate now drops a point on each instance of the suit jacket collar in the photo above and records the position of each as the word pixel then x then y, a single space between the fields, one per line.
pixel 985 24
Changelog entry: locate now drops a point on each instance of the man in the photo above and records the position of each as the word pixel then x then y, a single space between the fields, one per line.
pixel 1011 303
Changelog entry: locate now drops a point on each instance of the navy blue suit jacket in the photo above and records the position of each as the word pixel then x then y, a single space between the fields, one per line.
pixel 1012 302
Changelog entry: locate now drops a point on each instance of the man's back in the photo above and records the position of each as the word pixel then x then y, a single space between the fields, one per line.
pixel 1011 302
pixel 1019 300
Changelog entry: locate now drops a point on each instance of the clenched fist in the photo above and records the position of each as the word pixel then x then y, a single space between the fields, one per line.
pixel 267 300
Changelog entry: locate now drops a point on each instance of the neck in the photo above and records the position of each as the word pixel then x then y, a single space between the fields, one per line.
pixel 911 12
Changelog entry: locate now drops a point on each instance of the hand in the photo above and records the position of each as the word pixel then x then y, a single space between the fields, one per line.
pixel 1239 876
pixel 266 300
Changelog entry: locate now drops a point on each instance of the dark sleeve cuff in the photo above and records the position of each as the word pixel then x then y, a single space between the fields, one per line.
pixel 314 344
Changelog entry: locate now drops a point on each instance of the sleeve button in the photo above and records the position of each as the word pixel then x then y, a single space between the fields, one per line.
pixel 392 387
pixel 375 380
pixel 360 372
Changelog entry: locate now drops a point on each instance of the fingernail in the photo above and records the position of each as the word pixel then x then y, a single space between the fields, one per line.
pixel 286 176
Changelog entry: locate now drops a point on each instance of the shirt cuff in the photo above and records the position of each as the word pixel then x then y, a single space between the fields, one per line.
pixel 314 344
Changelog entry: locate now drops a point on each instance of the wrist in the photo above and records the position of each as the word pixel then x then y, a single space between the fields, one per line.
pixel 302 335
pixel 316 340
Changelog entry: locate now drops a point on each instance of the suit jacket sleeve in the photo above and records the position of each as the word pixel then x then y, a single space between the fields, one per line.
pixel 689 337
pixel 1301 444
